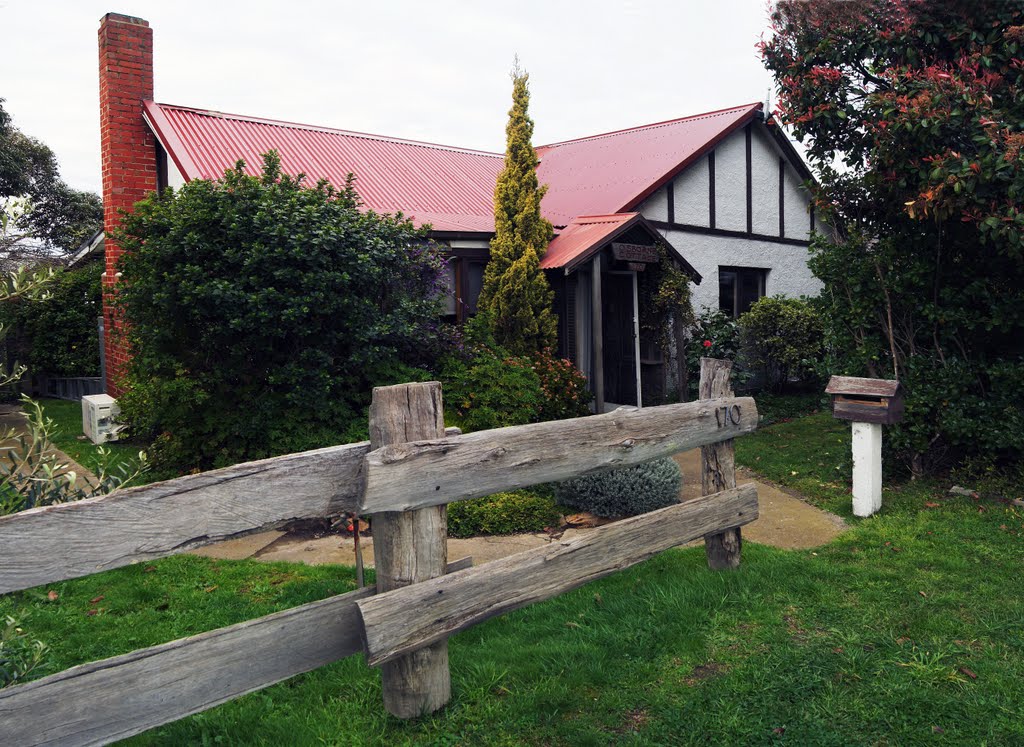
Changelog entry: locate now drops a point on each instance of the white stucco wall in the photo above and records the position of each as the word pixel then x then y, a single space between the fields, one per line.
pixel 655 207
pixel 764 193
pixel 692 197
pixel 798 218
pixel 786 264
pixel 692 203
pixel 174 177
pixel 731 183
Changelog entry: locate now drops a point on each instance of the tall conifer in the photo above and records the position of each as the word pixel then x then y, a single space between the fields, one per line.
pixel 515 291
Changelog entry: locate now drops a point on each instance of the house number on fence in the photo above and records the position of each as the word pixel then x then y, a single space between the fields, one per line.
pixel 726 415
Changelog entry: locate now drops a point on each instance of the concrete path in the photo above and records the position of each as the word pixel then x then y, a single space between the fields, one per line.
pixel 785 521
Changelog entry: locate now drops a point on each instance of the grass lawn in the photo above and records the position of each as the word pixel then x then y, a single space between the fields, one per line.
pixel 67 416
pixel 905 630
pixel 809 454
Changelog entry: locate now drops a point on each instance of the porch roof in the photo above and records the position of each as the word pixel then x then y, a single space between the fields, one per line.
pixel 588 234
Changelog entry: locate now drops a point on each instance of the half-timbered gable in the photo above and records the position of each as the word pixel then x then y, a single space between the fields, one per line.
pixel 741 215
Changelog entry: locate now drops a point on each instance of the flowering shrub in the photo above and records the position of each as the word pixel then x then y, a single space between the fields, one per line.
pixel 563 386
pixel 714 335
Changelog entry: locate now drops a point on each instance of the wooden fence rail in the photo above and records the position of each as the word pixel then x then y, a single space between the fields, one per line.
pixel 68 540
pixel 160 684
pixel 420 599
pixel 414 475
pixel 407 619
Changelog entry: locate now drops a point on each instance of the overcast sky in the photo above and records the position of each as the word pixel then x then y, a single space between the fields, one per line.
pixel 433 70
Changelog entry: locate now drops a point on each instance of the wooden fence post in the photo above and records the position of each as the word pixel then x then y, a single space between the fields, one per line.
pixel 718 466
pixel 411 546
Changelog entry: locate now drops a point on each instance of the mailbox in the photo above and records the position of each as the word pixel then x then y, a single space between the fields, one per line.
pixel 866 400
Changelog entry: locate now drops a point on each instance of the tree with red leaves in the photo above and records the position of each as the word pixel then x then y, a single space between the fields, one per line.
pixel 912 113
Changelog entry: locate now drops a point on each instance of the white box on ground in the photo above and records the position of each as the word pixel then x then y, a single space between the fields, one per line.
pixel 867 468
pixel 98 413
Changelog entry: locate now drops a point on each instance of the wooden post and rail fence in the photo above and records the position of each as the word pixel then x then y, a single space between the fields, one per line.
pixel 404 477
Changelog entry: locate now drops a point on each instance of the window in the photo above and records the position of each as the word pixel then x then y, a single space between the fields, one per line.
pixel 474 284
pixel 465 275
pixel 451 302
pixel 739 288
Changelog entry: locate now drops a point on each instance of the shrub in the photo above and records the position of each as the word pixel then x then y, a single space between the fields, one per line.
pixel 923 280
pixel 624 492
pixel 504 513
pixel 783 337
pixel 494 389
pixel 491 390
pixel 563 386
pixel 261 312
pixel 948 418
pixel 57 335
pixel 715 334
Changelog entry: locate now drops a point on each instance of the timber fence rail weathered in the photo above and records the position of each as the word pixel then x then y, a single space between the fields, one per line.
pixel 414 469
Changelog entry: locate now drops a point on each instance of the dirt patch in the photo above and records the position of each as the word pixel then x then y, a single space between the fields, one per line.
pixel 704 672
pixel 634 720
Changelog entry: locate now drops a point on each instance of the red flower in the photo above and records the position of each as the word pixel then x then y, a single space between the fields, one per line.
pixel 707 343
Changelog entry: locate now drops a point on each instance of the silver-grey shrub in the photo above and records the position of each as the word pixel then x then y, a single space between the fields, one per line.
pixel 624 492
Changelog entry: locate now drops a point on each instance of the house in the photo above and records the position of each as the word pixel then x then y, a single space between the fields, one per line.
pixel 718 193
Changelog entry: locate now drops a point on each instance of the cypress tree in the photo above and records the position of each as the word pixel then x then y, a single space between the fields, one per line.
pixel 515 292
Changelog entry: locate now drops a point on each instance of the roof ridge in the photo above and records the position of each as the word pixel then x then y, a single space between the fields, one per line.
pixel 665 123
pixel 603 217
pixel 332 130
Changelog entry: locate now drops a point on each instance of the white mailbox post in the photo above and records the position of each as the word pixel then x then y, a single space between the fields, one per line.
pixel 870 404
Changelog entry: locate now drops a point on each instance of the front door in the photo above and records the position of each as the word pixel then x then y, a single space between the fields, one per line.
pixel 618 326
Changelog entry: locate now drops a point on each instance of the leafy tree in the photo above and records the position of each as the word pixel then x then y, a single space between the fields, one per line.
pixel 262 311
pixel 25 163
pixel 41 217
pixel 515 291
pixel 57 335
pixel 912 112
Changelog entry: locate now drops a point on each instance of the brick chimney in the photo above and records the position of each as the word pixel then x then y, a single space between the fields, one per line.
pixel 128 154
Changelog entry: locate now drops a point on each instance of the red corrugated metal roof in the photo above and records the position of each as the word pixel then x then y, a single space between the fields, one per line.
pixel 450 188
pixel 585 233
pixel 614 172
